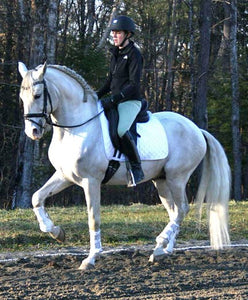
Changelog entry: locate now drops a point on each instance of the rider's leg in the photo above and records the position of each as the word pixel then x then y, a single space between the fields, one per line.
pixel 127 113
pixel 130 150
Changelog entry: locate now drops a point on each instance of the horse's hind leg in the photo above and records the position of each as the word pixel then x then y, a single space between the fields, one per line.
pixel 54 185
pixel 173 197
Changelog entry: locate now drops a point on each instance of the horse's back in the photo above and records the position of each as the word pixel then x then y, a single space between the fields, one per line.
pixel 187 145
pixel 179 125
pixel 168 117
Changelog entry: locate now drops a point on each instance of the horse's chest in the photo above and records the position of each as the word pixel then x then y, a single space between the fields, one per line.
pixel 75 154
pixel 69 151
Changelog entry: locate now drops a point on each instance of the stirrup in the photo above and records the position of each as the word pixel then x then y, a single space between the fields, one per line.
pixel 130 178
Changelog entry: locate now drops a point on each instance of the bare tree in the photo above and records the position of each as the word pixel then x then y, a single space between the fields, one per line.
pixel 90 16
pixel 38 19
pixel 52 30
pixel 25 158
pixel 170 57
pixel 191 55
pixel 224 46
pixel 235 101
pixel 200 105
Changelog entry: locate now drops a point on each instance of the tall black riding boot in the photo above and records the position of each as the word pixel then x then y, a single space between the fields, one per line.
pixel 129 148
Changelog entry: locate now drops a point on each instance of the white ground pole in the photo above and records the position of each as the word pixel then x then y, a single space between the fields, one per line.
pixel 10 257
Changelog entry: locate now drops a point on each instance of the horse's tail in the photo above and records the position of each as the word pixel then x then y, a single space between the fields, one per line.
pixel 214 187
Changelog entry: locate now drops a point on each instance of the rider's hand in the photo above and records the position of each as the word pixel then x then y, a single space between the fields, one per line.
pixel 108 102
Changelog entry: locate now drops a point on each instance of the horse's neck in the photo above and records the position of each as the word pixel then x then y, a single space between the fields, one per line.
pixel 68 101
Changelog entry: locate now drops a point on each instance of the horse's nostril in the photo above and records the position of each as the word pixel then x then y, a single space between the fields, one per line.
pixel 35 131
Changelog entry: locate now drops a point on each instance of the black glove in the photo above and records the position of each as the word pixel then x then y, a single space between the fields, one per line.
pixel 108 102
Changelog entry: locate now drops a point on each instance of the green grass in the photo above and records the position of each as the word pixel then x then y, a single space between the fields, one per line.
pixel 135 224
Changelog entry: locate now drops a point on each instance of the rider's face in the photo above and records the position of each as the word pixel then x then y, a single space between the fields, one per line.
pixel 118 37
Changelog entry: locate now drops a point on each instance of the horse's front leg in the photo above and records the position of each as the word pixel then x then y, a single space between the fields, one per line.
pixel 92 194
pixel 54 185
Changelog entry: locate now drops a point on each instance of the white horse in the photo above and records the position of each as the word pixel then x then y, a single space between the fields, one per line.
pixel 77 153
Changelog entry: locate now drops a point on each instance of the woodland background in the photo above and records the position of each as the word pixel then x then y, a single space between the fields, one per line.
pixel 195 63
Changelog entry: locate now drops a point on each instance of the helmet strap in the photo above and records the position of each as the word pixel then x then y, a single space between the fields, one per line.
pixel 125 38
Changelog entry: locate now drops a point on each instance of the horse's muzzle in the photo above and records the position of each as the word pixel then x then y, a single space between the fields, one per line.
pixel 34 130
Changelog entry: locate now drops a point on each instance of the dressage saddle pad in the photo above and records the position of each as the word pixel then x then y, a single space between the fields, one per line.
pixel 152 143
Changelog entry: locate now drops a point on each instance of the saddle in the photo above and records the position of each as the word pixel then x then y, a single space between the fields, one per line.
pixel 113 118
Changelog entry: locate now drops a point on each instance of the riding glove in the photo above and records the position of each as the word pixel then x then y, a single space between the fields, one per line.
pixel 110 102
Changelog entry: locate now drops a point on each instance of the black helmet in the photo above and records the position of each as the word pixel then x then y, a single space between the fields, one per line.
pixel 123 23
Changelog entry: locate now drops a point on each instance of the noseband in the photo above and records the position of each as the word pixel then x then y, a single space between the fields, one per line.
pixel 47 117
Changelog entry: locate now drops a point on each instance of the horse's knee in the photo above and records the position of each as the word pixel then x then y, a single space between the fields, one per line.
pixel 36 200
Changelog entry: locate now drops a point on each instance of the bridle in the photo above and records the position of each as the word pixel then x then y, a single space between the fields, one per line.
pixel 46 116
pixel 44 113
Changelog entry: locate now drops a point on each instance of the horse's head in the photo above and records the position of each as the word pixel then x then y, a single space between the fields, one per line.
pixel 34 100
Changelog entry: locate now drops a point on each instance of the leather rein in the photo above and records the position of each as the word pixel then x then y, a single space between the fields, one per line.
pixel 47 117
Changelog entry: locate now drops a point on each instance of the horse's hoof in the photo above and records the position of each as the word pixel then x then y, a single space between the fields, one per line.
pixel 152 258
pixel 159 254
pixel 156 258
pixel 58 234
pixel 86 266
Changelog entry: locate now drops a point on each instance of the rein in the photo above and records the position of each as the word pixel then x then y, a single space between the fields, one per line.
pixel 47 117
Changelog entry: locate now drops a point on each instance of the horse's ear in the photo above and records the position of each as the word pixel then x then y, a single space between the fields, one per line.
pixel 44 68
pixel 41 71
pixel 22 69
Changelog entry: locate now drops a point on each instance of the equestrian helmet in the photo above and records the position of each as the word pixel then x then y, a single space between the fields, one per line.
pixel 123 23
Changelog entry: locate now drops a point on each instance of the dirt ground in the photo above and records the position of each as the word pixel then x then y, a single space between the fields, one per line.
pixel 127 274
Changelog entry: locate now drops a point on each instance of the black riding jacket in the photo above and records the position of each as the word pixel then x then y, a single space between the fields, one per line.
pixel 124 76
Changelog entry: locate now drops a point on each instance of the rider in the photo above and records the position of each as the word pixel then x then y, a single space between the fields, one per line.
pixel 123 82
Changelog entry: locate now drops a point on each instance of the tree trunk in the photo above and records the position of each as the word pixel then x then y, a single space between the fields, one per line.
pixel 90 16
pixel 224 53
pixel 200 105
pixel 25 159
pixel 23 191
pixel 191 50
pixel 38 13
pixel 52 31
pixel 171 54
pixel 235 101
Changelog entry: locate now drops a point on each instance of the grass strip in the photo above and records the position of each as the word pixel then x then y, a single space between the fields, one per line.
pixel 121 225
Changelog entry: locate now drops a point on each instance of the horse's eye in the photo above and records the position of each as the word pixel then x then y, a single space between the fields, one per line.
pixel 37 96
